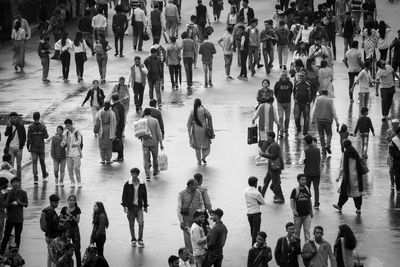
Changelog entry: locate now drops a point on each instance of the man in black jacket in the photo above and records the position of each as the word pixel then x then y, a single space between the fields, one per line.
pixel 15 143
pixel 287 248
pixel 246 12
pixel 119 26
pixel 48 223
pixel 134 201
pixel 202 18
pixel 259 254
pixel 37 132
pixel 119 111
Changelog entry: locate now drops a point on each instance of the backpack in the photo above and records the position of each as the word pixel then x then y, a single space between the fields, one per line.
pixel 76 137
pixel 298 192
pixel 43 221
pixel 98 48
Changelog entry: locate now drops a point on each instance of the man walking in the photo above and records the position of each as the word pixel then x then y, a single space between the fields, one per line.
pixel 207 50
pixel 226 43
pixel 268 38
pixel 202 17
pixel 311 158
pixel 156 20
pixel 216 239
pixel 119 26
pixel 16 200
pixel 49 222
pixel 150 144
pixel 283 35
pixel 188 53
pixel 303 96
pixel 253 201
pixel 155 113
pixel 324 113
pixel 155 74
pixel 189 200
pixel 317 252
pixel 134 201
pixel 119 112
pixel 246 12
pixel 138 22
pixel 171 14
pixel 275 167
pixel 254 44
pixel 99 24
pixel 283 93
pixel 37 132
pixel 288 248
pixel 137 80
pixel 73 142
pixel 16 139
pixel 353 62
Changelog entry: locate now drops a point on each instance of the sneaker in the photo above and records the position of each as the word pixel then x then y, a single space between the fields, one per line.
pixel 121 55
pixel 316 206
pixel 35 182
pixel 141 244
pixel 245 79
pixel 79 185
pixel 204 161
pixel 259 66
pixel 155 173
pixel 336 206
pixel 358 211
pixel 108 162
pixel 72 185
pixel 116 54
pixel 62 184
pixel 133 243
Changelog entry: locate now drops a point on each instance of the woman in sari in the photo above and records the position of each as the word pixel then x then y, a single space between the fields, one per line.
pixel 18 36
pixel 105 128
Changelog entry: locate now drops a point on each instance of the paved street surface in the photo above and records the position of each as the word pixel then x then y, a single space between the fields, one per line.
pixel 230 164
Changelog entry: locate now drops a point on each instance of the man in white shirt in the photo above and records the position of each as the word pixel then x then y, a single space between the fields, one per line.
pixel 99 23
pixel 253 201
pixel 226 42
pixel 184 255
pixel 72 140
pixel 352 60
pixel 138 22
pixel 198 237
pixel 304 33
pixel 138 81
pixel 171 14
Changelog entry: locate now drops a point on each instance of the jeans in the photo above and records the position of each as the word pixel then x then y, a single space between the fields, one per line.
pixel 228 64
pixel 76 240
pixel 2 224
pixel 137 31
pixel 237 45
pixel 156 31
pixel 352 76
pixel 74 166
pixel 102 63
pixel 332 43
pixel 46 66
pixel 207 67
pixel 364 98
pixel 49 242
pixel 198 260
pixel 100 241
pixel 147 150
pixel 171 25
pixel 188 64
pixel 324 127
pixel 133 214
pixel 119 37
pixel 7 234
pixel 347 43
pixel 284 111
pixel 59 167
pixel 65 61
pixel 79 62
pixel 94 110
pixel 302 109
pixel 276 183
pixel 343 197
pixel 213 258
pixel 253 57
pixel 173 74
pixel 315 182
pixel 364 142
pixel 283 53
pixel 16 154
pixel 138 90
pixel 35 156
pixel 284 4
pixel 243 59
pixel 187 237
pixel 268 55
pixel 304 221
pixel 387 99
pixel 155 85
pixel 255 224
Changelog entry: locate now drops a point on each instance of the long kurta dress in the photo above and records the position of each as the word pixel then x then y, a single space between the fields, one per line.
pixel 19 47
pixel 107 124
pixel 198 137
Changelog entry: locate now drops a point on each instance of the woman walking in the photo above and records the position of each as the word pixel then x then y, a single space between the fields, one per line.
pixel 59 155
pixel 232 18
pixel 63 45
pixel 96 96
pixel 71 220
pixel 124 96
pixel 325 78
pixel 44 52
pixel 345 244
pixel 18 36
pixel 101 49
pixel 100 224
pixel 383 41
pixel 369 41
pixel 105 127
pixel 201 131
pixel 385 80
pixel 80 47
pixel 351 174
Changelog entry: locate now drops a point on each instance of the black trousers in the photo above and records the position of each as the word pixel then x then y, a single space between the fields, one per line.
pixel 173 74
pixel 79 63
pixel 7 233
pixel 387 99
pixel 188 64
pixel 65 61
pixel 343 197
pixel 119 37
pixel 243 60
pixel 100 241
pixel 315 182
pixel 156 31
pixel 138 90
pixel 352 76
pixel 255 224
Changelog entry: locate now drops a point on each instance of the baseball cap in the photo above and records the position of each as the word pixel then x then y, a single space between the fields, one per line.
pixel 218 212
pixel 13 114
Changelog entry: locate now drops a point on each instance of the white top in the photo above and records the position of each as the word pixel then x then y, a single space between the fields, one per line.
pixel 246 19
pixel 304 34
pixel 68 45
pixel 72 143
pixel 82 47
pixel 18 35
pixel 253 200
pixel 197 236
pixel 15 141
pixel 302 157
pixel 353 56
pixel 138 74
pixel 139 15
pixel 135 196
pixel 364 79
pixel 99 22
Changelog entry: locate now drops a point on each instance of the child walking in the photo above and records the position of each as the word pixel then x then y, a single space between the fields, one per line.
pixel 344 134
pixel 364 124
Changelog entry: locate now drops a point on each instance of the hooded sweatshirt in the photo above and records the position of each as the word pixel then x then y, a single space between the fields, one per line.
pixel 283 91
pixel 37 132
pixel 259 257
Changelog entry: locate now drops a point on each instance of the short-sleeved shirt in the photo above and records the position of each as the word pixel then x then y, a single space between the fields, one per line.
pixel 207 49
pixel 75 213
pixel 353 56
pixel 386 77
pixel 302 201
pixel 15 213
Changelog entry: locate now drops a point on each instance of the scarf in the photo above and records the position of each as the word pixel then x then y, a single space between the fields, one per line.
pixel 351 153
pixel 113 123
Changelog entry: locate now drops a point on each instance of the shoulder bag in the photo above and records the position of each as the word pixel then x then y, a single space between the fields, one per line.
pixel 209 130
pixel 276 164
pixel 185 210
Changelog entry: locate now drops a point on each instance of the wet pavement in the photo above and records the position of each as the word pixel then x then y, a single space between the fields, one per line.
pixel 230 164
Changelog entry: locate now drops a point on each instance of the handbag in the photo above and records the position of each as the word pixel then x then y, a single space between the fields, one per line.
pixel 162 161
pixel 116 146
pixel 145 36
pixel 364 167
pixel 210 133
pixel 6 149
pixel 276 164
pixel 252 135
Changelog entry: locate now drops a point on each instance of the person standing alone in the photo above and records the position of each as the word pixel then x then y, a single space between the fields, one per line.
pixel 253 201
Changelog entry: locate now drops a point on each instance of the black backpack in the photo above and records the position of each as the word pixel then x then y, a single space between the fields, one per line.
pixel 76 136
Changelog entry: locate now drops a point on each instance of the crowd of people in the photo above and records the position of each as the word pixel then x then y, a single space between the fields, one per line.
pixel 297 31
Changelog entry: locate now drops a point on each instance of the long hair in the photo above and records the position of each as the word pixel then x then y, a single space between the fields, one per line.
pixel 64 38
pixel 197 104
pixel 74 197
pixel 382 29
pixel 100 211
pixel 78 39
pixel 350 241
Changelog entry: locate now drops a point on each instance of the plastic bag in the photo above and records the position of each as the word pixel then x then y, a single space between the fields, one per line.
pixel 162 161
